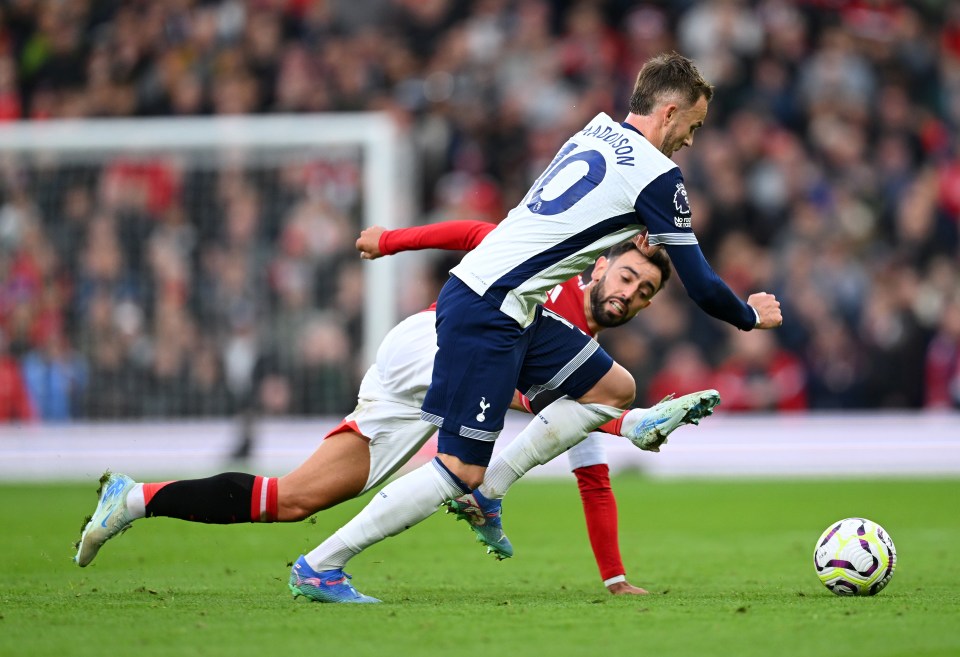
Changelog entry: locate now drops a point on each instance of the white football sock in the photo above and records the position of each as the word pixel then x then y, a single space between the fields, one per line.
pixel 400 505
pixel 631 419
pixel 332 554
pixel 136 505
pixel 554 430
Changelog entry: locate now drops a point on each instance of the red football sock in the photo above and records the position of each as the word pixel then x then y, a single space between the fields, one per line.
pixel 600 510
pixel 149 490
pixel 612 427
pixel 263 502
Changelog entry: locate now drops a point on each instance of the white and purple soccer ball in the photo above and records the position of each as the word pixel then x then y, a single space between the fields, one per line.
pixel 855 556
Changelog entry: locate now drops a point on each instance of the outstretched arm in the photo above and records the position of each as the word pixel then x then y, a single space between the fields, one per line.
pixel 377 241
pixel 664 208
pixel 708 291
pixel 600 512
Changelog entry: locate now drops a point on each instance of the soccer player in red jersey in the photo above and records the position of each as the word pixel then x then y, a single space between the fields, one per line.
pixel 385 430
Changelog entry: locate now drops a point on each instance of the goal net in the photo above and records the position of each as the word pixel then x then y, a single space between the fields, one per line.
pixel 196 267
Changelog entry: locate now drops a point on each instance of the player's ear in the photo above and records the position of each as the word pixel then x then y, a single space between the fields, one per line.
pixel 599 268
pixel 670 113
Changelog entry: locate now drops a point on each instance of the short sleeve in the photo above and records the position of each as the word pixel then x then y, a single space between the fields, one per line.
pixel 664 208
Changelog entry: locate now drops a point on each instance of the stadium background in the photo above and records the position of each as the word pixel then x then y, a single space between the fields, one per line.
pixel 157 317
pixel 827 173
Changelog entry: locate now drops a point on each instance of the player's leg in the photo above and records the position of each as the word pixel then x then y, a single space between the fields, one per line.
pixel 480 353
pixel 344 465
pixel 596 388
pixel 336 471
pixel 397 433
pixel 649 428
pixel 470 354
pixel 471 389
pixel 588 461
pixel 556 428
pixel 401 504
pixel 377 439
pixel 228 497
pixel 386 424
pixel 560 421
pixel 561 360
pixel 319 575
pixel 561 425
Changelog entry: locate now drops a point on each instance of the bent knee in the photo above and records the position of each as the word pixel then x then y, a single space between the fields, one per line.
pixel 623 397
pixel 616 388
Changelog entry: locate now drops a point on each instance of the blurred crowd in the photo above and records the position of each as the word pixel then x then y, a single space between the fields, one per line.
pixel 827 173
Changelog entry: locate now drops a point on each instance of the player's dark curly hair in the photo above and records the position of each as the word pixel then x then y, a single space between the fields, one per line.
pixel 659 258
pixel 666 75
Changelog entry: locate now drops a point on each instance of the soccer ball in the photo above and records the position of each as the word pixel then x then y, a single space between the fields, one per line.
pixel 855 556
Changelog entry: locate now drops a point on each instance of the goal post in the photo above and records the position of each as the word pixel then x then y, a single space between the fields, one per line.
pixel 386 166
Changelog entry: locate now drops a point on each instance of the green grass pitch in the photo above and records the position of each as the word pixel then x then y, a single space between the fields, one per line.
pixel 728 564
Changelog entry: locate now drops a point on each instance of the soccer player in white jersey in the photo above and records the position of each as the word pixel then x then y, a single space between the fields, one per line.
pixel 609 182
pixel 385 430
pixel 583 304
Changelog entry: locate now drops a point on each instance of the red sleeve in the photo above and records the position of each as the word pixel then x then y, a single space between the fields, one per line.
pixel 449 235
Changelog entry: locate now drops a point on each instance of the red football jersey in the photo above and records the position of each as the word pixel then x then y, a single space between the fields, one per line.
pixel 565 299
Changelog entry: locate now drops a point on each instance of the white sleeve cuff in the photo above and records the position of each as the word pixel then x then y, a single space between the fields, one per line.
pixel 757 315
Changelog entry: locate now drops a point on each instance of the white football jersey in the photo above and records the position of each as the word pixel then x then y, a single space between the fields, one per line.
pixel 605 185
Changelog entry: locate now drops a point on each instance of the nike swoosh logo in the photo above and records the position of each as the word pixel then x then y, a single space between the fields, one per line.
pixel 107 517
pixel 649 423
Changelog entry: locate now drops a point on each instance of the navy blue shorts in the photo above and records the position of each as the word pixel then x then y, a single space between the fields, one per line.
pixel 484 356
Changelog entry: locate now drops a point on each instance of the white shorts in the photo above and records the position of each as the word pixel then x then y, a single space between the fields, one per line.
pixel 392 390
pixel 592 451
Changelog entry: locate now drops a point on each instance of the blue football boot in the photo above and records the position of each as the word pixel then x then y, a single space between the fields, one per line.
pixel 483 515
pixel 328 586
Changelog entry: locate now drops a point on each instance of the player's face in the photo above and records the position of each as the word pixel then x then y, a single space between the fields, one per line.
pixel 681 124
pixel 622 288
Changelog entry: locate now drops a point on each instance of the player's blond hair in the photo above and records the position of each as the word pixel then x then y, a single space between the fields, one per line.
pixel 668 76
